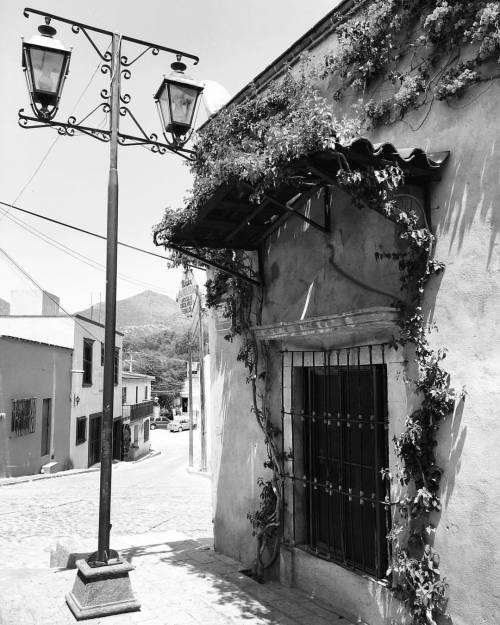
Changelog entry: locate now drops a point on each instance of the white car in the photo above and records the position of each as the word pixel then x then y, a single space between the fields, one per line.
pixel 177 425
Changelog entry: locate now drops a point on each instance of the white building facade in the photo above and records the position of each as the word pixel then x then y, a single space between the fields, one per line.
pixel 85 338
pixel 137 411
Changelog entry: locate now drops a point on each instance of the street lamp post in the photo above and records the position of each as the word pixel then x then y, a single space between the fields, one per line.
pixel 102 586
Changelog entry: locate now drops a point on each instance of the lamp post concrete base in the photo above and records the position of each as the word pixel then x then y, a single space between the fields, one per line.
pixel 101 591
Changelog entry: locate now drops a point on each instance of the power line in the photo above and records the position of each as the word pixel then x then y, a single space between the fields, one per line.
pixel 82 230
pixel 78 255
pixel 49 150
pixel 33 281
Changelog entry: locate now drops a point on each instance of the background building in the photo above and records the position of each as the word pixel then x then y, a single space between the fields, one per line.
pixel 35 386
pixel 137 411
pixel 86 340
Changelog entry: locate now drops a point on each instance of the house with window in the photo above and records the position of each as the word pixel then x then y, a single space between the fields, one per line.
pixel 35 386
pixel 137 411
pixel 85 338
pixel 344 201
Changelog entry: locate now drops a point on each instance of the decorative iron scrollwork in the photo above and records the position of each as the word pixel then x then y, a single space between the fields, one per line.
pixel 123 63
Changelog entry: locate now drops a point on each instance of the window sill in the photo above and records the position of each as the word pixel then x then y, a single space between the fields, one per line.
pixel 311 552
pixel 86 384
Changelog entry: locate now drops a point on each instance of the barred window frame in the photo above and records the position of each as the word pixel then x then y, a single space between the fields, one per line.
pixel 302 484
pixel 23 420
pixel 88 361
pixel 79 438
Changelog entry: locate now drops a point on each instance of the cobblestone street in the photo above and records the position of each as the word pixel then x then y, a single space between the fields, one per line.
pixel 162 524
pixel 149 496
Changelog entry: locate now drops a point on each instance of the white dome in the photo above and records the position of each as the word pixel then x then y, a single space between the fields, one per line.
pixel 214 96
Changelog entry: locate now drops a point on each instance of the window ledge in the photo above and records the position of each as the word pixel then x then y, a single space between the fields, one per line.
pixel 311 552
pixel 376 324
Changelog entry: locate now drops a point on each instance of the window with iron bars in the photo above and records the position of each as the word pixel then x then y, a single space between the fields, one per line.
pixel 335 421
pixel 23 416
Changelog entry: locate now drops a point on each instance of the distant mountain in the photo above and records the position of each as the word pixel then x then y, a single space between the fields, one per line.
pixel 4 307
pixel 143 314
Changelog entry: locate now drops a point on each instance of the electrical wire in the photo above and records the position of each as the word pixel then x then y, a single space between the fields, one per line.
pixel 33 281
pixel 83 231
pixel 79 256
pixel 50 148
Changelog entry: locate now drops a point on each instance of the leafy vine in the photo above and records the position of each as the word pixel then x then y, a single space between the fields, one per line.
pixel 256 141
pixel 427 49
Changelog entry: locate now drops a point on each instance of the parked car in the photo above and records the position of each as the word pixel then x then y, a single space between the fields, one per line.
pixel 159 422
pixel 177 425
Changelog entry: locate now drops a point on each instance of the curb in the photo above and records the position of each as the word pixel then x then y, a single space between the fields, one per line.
pixel 151 454
pixel 22 479
pixel 194 471
pixel 44 476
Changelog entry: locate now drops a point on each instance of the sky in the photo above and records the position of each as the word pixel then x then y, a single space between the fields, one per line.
pixel 65 178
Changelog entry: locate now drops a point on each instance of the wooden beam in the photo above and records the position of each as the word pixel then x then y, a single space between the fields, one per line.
pixel 245 221
pixel 284 207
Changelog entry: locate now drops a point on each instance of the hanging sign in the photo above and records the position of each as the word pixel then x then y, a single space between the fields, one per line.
pixel 186 296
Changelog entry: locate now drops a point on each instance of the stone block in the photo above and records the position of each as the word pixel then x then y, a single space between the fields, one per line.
pixel 101 591
pixel 51 467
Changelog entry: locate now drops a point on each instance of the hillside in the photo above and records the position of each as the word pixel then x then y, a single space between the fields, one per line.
pixel 143 314
pixel 155 337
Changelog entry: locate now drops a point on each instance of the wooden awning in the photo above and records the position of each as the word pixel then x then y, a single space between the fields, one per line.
pixel 230 220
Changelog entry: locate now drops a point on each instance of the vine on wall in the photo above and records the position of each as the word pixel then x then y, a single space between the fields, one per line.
pixel 257 139
pixel 426 49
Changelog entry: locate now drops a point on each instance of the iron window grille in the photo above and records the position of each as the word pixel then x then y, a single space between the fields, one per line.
pixel 335 426
pixel 146 430
pixel 23 416
pixel 81 430
pixel 124 394
pixel 88 346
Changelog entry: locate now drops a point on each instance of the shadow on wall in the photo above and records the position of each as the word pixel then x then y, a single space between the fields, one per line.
pixel 451 445
pixel 463 205
pixel 220 388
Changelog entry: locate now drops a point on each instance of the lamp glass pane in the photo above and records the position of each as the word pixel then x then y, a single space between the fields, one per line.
pixel 183 101
pixel 47 66
pixel 165 108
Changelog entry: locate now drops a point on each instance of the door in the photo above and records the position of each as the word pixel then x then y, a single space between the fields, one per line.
pixel 95 438
pixel 45 450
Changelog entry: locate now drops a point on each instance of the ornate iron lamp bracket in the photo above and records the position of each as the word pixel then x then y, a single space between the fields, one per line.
pixel 69 127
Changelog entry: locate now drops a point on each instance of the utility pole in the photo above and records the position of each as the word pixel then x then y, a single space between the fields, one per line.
pixel 102 586
pixel 203 460
pixel 190 399
pixel 103 551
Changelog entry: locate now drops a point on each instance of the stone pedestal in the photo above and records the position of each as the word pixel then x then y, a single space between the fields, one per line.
pixel 101 591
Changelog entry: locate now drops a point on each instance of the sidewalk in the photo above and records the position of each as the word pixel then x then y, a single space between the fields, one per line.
pixel 177 580
pixel 10 481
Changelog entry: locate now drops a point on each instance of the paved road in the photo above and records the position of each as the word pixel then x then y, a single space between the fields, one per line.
pixel 161 518
pixel 155 495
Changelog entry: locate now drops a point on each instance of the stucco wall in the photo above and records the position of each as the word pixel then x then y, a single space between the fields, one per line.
pixel 90 397
pixel 131 383
pixel 237 448
pixel 311 274
pixel 31 370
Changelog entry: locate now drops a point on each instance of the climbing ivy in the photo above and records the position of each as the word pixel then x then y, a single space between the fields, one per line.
pixel 427 50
